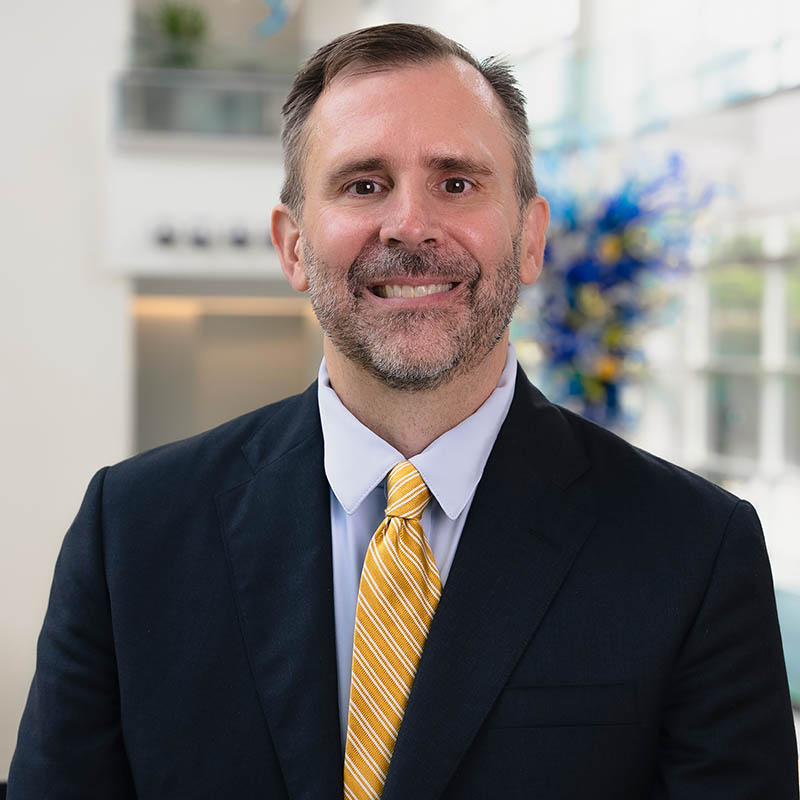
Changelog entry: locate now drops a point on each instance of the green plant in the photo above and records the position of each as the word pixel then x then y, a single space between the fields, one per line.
pixel 183 27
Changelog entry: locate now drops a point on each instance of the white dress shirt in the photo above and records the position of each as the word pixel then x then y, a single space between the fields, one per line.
pixel 356 463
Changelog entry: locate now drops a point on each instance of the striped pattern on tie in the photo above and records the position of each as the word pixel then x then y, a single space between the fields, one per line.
pixel 397 598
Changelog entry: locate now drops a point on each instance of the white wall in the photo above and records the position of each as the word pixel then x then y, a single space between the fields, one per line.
pixel 187 182
pixel 65 354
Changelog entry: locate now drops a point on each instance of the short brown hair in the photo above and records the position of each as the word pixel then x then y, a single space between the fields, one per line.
pixel 396 44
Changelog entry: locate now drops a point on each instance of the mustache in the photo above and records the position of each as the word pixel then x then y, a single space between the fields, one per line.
pixel 377 263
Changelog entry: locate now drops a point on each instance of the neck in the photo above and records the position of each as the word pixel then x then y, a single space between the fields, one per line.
pixel 411 420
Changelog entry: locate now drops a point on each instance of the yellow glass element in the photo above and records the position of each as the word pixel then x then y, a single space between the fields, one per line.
pixel 609 248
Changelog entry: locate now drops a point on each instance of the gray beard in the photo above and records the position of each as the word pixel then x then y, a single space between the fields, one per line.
pixel 381 347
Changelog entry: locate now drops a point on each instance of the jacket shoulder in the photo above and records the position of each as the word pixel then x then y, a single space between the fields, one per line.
pixel 599 465
pixel 216 459
pixel 628 484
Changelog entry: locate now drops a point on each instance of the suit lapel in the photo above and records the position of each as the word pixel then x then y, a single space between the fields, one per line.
pixel 276 528
pixel 519 542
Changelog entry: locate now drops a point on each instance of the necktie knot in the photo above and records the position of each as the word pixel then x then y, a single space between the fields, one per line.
pixel 407 494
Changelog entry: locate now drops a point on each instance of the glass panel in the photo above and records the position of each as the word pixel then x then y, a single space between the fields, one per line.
pixel 735 298
pixel 662 420
pixel 186 101
pixel 792 426
pixel 793 312
pixel 734 407
pixel 788 603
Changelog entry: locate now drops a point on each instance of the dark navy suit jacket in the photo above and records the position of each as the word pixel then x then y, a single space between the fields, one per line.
pixel 607 630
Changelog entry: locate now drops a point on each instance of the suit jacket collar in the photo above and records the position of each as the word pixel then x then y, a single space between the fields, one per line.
pixel 276 529
pixel 520 540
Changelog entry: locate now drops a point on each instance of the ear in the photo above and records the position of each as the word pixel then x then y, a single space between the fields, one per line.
pixel 286 238
pixel 534 228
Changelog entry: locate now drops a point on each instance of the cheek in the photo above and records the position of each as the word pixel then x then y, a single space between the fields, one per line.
pixel 487 234
pixel 339 238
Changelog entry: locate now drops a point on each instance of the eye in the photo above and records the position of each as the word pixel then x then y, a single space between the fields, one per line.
pixel 457 185
pixel 364 187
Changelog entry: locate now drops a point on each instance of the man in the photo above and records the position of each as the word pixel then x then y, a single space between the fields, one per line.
pixel 545 611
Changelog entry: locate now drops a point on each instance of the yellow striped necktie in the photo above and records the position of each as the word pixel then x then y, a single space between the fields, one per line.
pixel 397 598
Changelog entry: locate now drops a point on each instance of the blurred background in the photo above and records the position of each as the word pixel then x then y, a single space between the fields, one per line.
pixel 141 301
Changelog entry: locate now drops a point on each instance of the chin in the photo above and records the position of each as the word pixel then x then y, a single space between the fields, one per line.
pixel 411 378
pixel 403 366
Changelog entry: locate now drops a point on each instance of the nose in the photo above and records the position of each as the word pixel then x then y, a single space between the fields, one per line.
pixel 410 219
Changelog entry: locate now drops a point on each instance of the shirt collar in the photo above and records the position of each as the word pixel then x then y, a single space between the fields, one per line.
pixel 357 459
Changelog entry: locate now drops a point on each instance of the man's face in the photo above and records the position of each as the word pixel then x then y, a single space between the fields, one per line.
pixel 411 235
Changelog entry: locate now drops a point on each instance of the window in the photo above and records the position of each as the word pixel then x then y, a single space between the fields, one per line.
pixel 726 402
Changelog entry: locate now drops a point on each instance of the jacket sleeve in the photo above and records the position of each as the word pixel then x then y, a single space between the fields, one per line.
pixel 727 729
pixel 70 742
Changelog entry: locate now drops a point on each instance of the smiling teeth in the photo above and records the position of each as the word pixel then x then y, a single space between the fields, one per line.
pixel 396 290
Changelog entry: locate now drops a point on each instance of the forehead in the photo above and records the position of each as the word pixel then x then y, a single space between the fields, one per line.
pixel 401 113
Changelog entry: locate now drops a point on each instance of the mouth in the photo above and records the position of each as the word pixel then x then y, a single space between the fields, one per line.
pixel 407 290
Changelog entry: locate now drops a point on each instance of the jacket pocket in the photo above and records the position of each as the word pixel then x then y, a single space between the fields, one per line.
pixel 570 704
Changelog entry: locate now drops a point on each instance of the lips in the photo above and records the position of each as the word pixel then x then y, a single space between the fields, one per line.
pixel 405 290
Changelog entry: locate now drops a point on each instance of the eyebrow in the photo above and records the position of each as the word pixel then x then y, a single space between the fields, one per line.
pixel 355 167
pixel 442 163
pixel 459 164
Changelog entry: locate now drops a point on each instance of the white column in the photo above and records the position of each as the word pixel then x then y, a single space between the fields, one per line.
pixel 64 319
